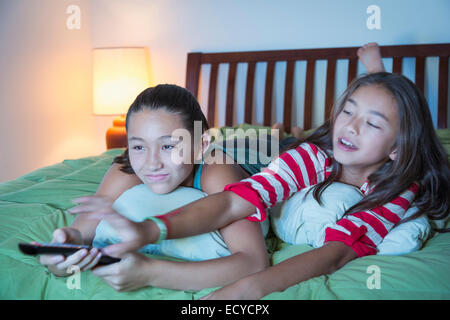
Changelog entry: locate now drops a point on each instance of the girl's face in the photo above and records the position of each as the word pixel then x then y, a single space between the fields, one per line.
pixel 152 145
pixel 365 131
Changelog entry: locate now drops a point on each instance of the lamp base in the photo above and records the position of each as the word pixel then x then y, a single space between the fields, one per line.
pixel 116 136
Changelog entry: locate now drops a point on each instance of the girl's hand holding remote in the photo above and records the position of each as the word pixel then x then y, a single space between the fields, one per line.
pixel 133 235
pixel 58 264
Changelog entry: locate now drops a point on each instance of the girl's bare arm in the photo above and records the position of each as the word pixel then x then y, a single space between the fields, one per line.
pixel 251 257
pixel 324 260
pixel 113 184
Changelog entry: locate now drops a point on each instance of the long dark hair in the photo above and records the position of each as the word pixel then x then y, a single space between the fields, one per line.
pixel 171 98
pixel 420 156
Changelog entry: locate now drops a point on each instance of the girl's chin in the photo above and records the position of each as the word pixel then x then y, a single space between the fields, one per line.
pixel 343 159
pixel 160 189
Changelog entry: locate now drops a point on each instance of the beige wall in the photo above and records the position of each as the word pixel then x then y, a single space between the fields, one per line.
pixel 45 87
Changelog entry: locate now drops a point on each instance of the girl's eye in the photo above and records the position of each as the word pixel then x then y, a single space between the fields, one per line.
pixel 372 125
pixel 138 148
pixel 167 147
pixel 346 112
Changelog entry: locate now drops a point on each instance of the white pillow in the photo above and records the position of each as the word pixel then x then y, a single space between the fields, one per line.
pixel 138 203
pixel 406 237
pixel 302 220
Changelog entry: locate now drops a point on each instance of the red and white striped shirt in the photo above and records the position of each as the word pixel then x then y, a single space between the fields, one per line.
pixel 306 166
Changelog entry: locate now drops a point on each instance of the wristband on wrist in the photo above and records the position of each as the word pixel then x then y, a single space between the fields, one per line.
pixel 162 228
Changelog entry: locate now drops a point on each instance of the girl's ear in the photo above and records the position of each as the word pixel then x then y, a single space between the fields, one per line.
pixel 206 141
pixel 393 155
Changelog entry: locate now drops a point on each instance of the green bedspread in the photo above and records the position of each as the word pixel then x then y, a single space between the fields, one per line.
pixel 34 205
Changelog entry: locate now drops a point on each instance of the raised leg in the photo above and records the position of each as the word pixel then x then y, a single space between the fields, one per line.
pixel 370 56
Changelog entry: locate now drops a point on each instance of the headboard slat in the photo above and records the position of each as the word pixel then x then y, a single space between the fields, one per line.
pixel 268 93
pixel 249 92
pixel 352 68
pixel 329 91
pixel 230 95
pixel 289 83
pixel 397 65
pixel 307 115
pixel 443 92
pixel 193 72
pixel 420 73
pixel 212 94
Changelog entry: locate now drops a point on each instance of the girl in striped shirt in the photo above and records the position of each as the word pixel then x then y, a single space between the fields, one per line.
pixel 380 138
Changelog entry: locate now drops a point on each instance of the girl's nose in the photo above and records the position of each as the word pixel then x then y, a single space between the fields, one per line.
pixel 353 126
pixel 154 161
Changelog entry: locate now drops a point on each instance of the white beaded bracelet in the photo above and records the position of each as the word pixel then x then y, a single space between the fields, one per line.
pixel 162 228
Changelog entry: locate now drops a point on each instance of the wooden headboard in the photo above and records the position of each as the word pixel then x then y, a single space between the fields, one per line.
pixel 195 60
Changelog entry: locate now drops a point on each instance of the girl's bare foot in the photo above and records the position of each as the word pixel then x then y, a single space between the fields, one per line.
pixel 280 127
pixel 370 56
pixel 297 132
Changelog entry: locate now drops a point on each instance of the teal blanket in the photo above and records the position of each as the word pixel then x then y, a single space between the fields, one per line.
pixel 34 205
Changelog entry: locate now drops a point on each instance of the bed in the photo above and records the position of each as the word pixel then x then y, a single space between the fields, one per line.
pixel 32 206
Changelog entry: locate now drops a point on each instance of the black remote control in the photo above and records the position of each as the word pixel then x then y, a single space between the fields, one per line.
pixel 65 249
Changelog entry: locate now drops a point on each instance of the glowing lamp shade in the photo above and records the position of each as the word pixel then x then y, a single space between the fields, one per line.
pixel 120 74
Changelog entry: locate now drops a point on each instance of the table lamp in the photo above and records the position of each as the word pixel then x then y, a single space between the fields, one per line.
pixel 119 75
